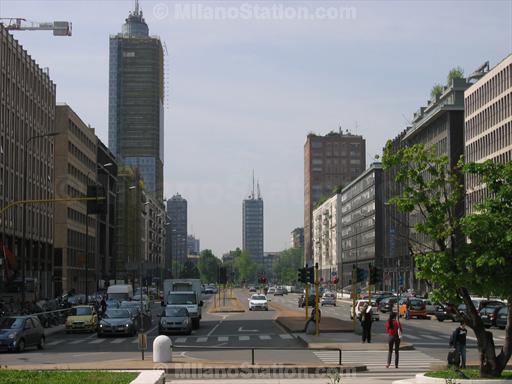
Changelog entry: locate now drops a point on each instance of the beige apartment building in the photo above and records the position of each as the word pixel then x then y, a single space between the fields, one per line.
pixel 488 124
pixel 75 168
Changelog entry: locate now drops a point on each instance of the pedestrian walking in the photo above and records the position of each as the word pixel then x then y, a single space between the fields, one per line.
pixel 394 330
pixel 458 341
pixel 366 323
pixel 103 305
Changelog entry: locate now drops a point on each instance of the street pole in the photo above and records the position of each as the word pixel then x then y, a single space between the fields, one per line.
pixel 317 313
pixel 354 277
pixel 86 256
pixel 306 296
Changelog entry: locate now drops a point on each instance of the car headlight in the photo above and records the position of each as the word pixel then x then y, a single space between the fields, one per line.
pixel 12 335
pixel 127 325
pixel 101 325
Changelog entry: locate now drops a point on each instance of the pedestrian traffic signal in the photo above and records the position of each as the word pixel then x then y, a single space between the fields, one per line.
pixel 301 275
pixel 375 275
pixel 310 275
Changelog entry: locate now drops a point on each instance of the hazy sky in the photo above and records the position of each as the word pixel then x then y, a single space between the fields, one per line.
pixel 243 90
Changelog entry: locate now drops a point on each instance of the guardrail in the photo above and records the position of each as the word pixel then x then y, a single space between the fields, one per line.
pixel 253 349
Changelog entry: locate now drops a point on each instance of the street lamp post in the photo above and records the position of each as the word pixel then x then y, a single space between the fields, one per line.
pixel 24 222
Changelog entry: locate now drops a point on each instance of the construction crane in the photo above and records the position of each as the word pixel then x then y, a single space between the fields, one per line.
pixel 59 28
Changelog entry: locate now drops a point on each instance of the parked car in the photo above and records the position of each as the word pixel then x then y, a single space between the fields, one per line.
pixel 76 299
pixel 258 302
pixel 387 304
pixel 278 292
pixel 446 311
pixel 359 307
pixel 328 298
pixel 252 289
pixel 302 302
pixel 416 307
pixel 175 320
pixel 19 332
pixel 489 314
pixel 83 318
pixel 501 321
pixel 430 307
pixel 271 290
pixel 117 322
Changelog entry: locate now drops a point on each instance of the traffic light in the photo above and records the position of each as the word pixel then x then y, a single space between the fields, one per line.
pixel 96 206
pixel 310 275
pixel 301 275
pixel 377 275
pixel 361 275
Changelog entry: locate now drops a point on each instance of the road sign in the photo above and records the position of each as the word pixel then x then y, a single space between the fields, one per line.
pixel 334 273
pixel 143 341
pixel 401 281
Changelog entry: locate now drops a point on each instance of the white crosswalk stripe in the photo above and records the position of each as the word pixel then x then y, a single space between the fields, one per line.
pixel 265 337
pixel 180 340
pixel 74 342
pixel 429 337
pixel 286 336
pixel 201 340
pixel 97 341
pixel 376 360
pixel 243 338
pixel 412 337
pixel 222 338
pixel 118 341
pixel 55 342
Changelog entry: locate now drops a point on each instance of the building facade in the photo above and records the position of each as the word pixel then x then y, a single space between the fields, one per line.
pixel 136 101
pixel 177 214
pixel 362 223
pixel 270 259
pixel 327 237
pixel 27 111
pixel 154 244
pixel 252 229
pixel 488 124
pixel 331 161
pixel 297 238
pixel 75 230
pixel 193 245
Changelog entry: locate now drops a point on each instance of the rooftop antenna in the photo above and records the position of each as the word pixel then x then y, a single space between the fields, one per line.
pixel 252 195
pixel 136 7
pixel 259 191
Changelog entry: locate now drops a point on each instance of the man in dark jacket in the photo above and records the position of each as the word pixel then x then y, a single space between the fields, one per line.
pixel 458 341
pixel 366 323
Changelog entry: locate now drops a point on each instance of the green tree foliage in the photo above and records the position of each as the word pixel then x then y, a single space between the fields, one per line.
pixel 455 267
pixel 190 271
pixel 436 91
pixel 289 262
pixel 455 73
pixel 245 268
pixel 208 266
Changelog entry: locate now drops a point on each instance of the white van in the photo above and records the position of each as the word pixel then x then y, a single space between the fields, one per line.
pixel 120 292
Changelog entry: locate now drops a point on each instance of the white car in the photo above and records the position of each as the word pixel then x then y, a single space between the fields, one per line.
pixel 258 302
pixel 359 307
pixel 328 298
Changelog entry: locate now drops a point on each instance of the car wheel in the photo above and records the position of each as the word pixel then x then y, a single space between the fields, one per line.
pixel 334 304
pixel 440 320
pixel 41 343
pixel 487 326
pixel 20 347
pixel 501 327
pixel 266 309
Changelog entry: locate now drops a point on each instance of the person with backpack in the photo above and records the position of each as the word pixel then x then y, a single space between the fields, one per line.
pixel 458 341
pixel 394 330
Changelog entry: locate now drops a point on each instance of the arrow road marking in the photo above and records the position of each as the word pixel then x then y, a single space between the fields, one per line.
pixel 247 330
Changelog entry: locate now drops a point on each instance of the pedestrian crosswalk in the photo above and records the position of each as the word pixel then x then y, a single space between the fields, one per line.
pixel 376 360
pixel 184 340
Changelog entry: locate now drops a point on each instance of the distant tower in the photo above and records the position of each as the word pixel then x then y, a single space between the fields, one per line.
pixel 252 226
pixel 136 100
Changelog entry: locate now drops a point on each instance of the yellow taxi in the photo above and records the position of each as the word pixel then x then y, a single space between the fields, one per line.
pixel 83 318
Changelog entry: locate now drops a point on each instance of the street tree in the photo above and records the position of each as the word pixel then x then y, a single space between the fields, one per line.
pixel 190 271
pixel 290 260
pixel 472 252
pixel 245 268
pixel 208 266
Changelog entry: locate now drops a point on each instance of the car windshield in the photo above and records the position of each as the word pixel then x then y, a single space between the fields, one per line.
pixel 175 312
pixel 130 304
pixel 184 298
pixel 82 311
pixel 11 323
pixel 117 314
pixel 416 303
pixel 259 298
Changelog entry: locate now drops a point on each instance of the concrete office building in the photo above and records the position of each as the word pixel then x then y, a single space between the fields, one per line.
pixel 297 238
pixel 154 240
pixel 136 101
pixel 27 110
pixel 362 223
pixel 252 228
pixel 270 259
pixel 75 168
pixel 193 245
pixel 488 123
pixel 331 161
pixel 441 124
pixel 327 237
pixel 177 214
pixel 397 263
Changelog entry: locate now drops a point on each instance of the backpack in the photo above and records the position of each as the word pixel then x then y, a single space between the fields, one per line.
pixel 453 358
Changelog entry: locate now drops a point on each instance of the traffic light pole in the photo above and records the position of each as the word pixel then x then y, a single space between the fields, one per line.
pixel 317 313
pixel 306 299
pixel 354 277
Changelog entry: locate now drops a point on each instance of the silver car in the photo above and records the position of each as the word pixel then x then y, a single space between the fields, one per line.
pixel 328 298
pixel 175 320
pixel 116 322
pixel 18 332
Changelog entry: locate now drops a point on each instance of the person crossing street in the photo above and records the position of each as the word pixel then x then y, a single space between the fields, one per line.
pixel 458 341
pixel 394 330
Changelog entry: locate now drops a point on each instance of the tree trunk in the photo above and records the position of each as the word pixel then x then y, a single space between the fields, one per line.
pixel 491 366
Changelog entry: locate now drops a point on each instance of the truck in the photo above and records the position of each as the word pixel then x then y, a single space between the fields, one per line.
pixel 120 292
pixel 184 293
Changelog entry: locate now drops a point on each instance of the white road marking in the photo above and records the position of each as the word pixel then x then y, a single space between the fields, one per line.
pixel 55 342
pixel 429 337
pixel 412 337
pixel 286 336
pixel 219 323
pixel 201 340
pixel 243 338
pixel 118 341
pixel 246 330
pixel 180 340
pixel 97 341
pixel 222 338
pixel 265 337
pixel 77 341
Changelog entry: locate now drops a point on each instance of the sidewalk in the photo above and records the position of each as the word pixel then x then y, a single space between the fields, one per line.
pixel 349 342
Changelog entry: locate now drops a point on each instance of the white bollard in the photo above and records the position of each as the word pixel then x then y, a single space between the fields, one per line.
pixel 162 349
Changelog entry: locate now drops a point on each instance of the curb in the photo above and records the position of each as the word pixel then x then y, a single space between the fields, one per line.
pixel 150 377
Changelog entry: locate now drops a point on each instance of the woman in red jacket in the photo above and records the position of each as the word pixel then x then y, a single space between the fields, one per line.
pixel 394 330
